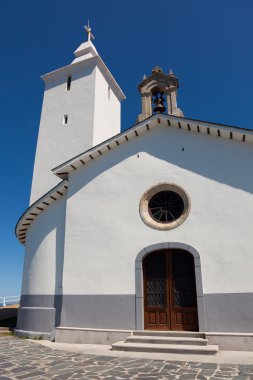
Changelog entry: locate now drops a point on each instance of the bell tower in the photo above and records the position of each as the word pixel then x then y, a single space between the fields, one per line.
pixel 81 108
pixel 159 94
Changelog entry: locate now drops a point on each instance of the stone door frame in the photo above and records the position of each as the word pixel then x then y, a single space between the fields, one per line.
pixel 139 291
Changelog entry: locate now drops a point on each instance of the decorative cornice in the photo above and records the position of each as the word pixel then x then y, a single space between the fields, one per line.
pixel 37 208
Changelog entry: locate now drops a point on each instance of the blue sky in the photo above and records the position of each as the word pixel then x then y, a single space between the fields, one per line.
pixel 208 45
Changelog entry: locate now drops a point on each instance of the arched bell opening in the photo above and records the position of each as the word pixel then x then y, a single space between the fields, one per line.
pixel 159 100
pixel 158 94
pixel 174 307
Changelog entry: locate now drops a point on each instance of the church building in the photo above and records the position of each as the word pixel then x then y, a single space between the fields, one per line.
pixel 146 230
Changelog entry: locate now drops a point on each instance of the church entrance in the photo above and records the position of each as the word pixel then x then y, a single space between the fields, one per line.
pixel 170 301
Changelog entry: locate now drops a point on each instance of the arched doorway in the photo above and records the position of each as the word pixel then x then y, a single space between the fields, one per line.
pixel 170 299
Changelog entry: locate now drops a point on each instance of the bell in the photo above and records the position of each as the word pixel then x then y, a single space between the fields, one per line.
pixel 160 108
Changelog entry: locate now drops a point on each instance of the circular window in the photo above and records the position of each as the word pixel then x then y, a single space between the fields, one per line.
pixel 164 206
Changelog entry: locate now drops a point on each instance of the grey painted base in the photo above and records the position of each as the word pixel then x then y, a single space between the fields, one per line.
pixel 108 311
pixel 42 313
pixel 230 312
pixel 37 319
pixel 39 313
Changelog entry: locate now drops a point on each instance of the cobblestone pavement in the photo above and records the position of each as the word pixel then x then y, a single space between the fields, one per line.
pixel 22 359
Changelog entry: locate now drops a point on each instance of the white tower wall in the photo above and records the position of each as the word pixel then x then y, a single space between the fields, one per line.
pixel 92 108
pixel 107 111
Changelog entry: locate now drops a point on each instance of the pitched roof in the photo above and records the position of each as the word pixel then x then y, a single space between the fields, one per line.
pixel 192 125
pixel 168 121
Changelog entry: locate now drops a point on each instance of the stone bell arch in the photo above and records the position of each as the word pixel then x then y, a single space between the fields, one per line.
pixel 162 87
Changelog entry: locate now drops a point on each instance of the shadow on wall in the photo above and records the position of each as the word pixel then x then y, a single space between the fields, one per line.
pixel 218 159
pixel 46 225
pixel 59 261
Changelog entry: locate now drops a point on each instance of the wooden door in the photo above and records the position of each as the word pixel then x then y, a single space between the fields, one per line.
pixel 170 291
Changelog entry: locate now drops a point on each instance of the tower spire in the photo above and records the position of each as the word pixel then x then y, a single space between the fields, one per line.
pixel 88 30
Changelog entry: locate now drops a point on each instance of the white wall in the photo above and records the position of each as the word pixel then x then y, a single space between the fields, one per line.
pixel 104 231
pixel 92 118
pixel 107 111
pixel 57 142
pixel 42 274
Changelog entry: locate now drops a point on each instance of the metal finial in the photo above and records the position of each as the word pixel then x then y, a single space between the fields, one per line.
pixel 144 77
pixel 88 30
pixel 157 69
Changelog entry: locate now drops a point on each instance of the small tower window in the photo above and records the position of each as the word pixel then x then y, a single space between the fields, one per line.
pixel 109 92
pixel 65 119
pixel 69 83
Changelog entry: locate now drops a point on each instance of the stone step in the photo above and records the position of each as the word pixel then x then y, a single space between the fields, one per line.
pixel 5 331
pixel 166 348
pixel 186 334
pixel 166 340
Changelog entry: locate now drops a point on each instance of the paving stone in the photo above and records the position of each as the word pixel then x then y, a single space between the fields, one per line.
pixel 225 368
pixel 169 367
pixel 188 370
pixel 224 375
pixel 208 365
pixel 64 376
pixel 245 367
pixel 31 374
pixel 22 359
pixel 207 372
pixel 187 376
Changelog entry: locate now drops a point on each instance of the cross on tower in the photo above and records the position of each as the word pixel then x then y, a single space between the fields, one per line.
pixel 88 30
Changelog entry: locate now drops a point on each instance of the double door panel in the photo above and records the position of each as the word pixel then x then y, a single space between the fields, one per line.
pixel 170 291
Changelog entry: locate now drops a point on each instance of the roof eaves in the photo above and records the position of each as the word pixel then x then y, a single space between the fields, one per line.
pixel 199 126
pixel 37 208
pixel 106 145
pixel 212 123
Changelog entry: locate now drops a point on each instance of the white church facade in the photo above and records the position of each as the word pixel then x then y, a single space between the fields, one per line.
pixel 145 229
